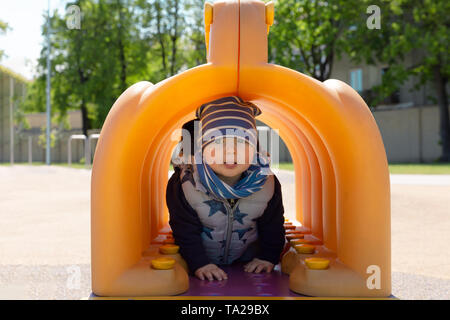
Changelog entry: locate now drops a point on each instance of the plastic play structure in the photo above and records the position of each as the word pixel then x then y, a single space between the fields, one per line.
pixel 342 178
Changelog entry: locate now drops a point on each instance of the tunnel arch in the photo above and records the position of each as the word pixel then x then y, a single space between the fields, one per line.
pixel 297 143
pixel 329 130
pixel 295 128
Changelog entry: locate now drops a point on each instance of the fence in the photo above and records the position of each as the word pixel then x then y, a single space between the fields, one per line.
pixel 409 134
pixel 12 91
pixel 59 152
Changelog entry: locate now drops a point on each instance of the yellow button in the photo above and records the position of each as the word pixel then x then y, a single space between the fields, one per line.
pixel 294 232
pixel 163 263
pixel 305 248
pixel 294 242
pixel 291 236
pixel 169 241
pixel 169 249
pixel 317 263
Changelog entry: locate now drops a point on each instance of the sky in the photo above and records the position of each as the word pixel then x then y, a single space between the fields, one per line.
pixel 22 43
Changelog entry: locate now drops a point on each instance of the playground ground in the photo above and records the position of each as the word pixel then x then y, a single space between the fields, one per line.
pixel 45 233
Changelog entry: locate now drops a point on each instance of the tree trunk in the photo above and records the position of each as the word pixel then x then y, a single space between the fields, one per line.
pixel 174 38
pixel 160 36
pixel 122 59
pixel 444 123
pixel 84 118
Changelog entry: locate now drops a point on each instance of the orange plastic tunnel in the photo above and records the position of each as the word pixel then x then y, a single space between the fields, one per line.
pixel 341 171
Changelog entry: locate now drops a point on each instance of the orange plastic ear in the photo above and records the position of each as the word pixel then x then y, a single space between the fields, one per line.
pixel 270 14
pixel 208 21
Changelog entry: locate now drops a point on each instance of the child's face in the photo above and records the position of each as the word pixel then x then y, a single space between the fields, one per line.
pixel 229 156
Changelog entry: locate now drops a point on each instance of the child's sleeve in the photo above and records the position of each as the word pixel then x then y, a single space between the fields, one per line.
pixel 185 224
pixel 271 231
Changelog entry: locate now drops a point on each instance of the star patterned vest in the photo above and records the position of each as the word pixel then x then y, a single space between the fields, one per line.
pixel 227 230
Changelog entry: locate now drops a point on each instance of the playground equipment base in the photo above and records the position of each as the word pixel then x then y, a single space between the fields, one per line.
pixel 240 285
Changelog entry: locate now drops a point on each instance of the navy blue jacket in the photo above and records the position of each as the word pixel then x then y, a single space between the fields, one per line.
pixel 187 228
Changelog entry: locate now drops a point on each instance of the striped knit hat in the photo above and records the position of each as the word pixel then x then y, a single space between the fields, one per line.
pixel 228 117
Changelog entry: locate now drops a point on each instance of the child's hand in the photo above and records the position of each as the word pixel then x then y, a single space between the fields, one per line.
pixel 210 271
pixel 258 265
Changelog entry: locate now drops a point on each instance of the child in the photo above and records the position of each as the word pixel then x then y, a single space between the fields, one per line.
pixel 226 204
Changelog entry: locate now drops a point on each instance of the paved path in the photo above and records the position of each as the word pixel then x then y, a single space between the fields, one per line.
pixel 45 233
pixel 421 179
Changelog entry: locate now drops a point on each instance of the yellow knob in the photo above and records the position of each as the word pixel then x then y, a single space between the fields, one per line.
pixel 294 232
pixel 305 248
pixel 317 263
pixel 294 242
pixel 169 249
pixel 169 241
pixel 163 263
pixel 292 236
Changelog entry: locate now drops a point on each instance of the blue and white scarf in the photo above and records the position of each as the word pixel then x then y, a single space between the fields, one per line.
pixel 222 116
pixel 252 180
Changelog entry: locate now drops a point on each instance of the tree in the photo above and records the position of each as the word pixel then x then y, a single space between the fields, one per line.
pixel 91 66
pixel 3 29
pixel 420 28
pixel 196 34
pixel 120 42
pixel 308 35
pixel 165 25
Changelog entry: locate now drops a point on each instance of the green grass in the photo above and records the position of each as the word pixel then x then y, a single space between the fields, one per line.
pixel 419 168
pixel 402 168
pixel 286 166
pixel 395 168
pixel 73 165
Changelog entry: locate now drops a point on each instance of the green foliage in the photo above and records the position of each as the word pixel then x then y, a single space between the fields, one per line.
pixel 417 28
pixel 399 168
pixel 308 35
pixel 42 140
pixel 3 29
pixel 119 43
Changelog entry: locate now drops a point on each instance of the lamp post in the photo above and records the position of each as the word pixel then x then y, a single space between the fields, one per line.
pixel 11 120
pixel 47 157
